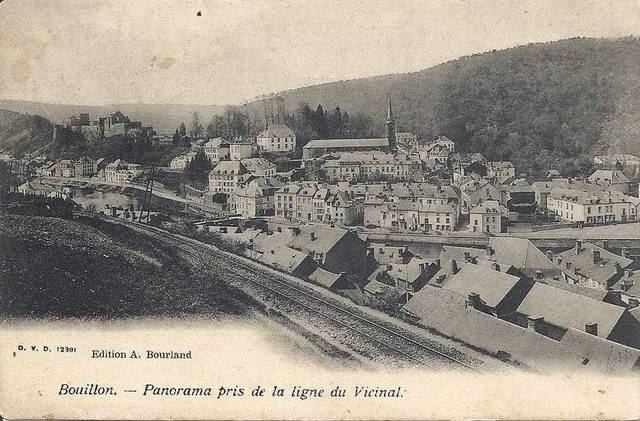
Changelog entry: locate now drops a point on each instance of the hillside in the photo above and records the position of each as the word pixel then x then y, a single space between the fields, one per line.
pixel 20 133
pixel 53 267
pixel 165 118
pixel 540 105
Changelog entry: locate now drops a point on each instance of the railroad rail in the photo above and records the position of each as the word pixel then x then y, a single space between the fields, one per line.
pixel 409 348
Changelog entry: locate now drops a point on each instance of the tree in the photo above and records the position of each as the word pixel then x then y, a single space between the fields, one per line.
pixel 182 131
pixel 216 127
pixel 197 169
pixel 196 126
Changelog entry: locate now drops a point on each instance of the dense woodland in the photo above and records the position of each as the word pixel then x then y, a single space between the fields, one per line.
pixel 542 106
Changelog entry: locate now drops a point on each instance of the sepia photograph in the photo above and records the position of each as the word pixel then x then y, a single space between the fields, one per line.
pixel 252 209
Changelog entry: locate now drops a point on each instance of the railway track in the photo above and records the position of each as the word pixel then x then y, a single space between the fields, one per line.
pixel 411 349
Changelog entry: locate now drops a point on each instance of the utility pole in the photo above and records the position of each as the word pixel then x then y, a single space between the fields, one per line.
pixel 148 194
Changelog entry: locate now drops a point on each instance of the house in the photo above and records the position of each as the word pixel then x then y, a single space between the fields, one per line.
pixel 255 198
pixel 628 288
pixel 372 166
pixel 591 266
pixel 286 201
pixel 47 170
pixel 454 316
pixel 277 138
pixel 446 142
pixel 241 148
pixel 473 192
pixel 283 258
pixel 226 176
pixel 541 191
pixel 217 149
pixel 489 217
pixel 65 168
pixel 489 290
pixel 551 174
pixel 407 140
pixel 522 255
pixel 553 311
pixel 86 167
pixel 333 249
pixel 591 207
pixel 433 154
pixel 120 171
pixel 180 162
pixel 260 167
pixel 500 171
pixel 616 159
pixel 410 215
pixel 406 278
pixel 611 179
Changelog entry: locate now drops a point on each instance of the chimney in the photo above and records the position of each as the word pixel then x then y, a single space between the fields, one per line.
pixel 624 252
pixel 535 323
pixel 591 328
pixel 578 246
pixel 467 256
pixel 473 300
pixel 495 266
pixel 490 251
pixel 550 255
pixel 539 274
pixel 440 279
pixel 454 267
pixel 389 267
pixel 313 236
pixel 596 256
pixel 633 302
pixel 559 260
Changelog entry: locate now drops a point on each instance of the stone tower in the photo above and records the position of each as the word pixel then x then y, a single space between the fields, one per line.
pixel 391 129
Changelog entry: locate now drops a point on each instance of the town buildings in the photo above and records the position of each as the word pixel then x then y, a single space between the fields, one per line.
pixel 226 176
pixel 592 207
pixel 180 162
pixel 217 150
pixel 120 171
pixel 277 138
pixel 255 198
pixel 242 148
pixel 373 166
pixel 489 217
pixel 259 167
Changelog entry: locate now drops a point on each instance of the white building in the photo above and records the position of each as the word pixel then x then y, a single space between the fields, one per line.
pixel 487 217
pixel 217 150
pixel 241 149
pixel 256 198
pixel 120 171
pixel 408 140
pixel 407 215
pixel 593 207
pixel 277 138
pixel 180 162
pixel 373 166
pixel 226 176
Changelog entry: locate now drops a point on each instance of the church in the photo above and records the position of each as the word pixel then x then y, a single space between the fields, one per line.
pixel 318 147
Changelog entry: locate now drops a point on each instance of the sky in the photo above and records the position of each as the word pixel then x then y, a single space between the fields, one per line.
pixel 93 52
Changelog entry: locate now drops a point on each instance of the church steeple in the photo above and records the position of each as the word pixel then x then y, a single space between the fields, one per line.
pixel 391 129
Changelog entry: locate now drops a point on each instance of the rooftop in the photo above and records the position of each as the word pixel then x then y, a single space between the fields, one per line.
pixel 347 143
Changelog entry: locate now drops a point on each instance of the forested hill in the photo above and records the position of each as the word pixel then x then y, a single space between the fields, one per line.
pixel 540 105
pixel 20 133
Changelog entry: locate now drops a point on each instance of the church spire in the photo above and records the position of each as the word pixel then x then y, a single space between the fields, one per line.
pixel 391 129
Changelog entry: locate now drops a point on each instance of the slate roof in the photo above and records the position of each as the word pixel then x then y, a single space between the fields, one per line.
pixel 324 277
pixel 257 164
pixel 521 254
pixel 491 285
pixel 490 207
pixel 601 271
pixel 606 355
pixel 445 312
pixel 347 143
pixel 283 258
pixel 277 130
pixel 609 176
pixel 325 238
pixel 566 309
pixel 593 293
pixel 229 167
